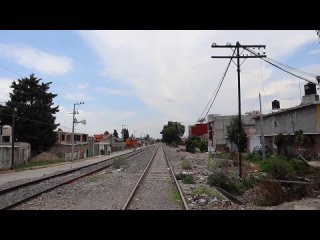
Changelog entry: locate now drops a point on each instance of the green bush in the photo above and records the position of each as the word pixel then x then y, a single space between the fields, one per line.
pixel 219 179
pixel 186 178
pixel 203 146
pixel 195 142
pixel 278 168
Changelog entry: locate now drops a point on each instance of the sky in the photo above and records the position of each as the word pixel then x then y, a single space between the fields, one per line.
pixel 143 79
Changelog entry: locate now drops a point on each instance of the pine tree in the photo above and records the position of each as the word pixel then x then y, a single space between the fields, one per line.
pixel 34 115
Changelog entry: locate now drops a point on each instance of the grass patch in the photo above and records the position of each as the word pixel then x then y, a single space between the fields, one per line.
pixel 213 164
pixel 230 184
pixel 186 178
pixel 176 198
pixel 278 168
pixel 38 164
pixel 186 164
pixel 208 191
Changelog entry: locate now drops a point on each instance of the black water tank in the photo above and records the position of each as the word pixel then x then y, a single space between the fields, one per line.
pixel 275 104
pixel 310 88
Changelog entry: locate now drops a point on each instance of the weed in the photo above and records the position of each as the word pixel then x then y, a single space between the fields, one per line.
pixel 186 178
pixel 208 191
pixel 186 164
pixel 176 198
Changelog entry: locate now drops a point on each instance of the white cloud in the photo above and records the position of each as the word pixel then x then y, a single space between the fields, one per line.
pixel 112 91
pixel 5 89
pixel 82 85
pixel 315 52
pixel 77 97
pixel 36 59
pixel 173 72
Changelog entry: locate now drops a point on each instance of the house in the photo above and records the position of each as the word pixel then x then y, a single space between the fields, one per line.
pixel 199 130
pixel 217 130
pixel 63 146
pixel 22 150
pixel 305 117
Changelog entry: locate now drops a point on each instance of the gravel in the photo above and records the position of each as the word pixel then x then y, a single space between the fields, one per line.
pixel 107 189
pixel 156 191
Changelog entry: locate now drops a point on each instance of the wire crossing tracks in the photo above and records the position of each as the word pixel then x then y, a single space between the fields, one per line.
pixel 156 187
pixel 13 196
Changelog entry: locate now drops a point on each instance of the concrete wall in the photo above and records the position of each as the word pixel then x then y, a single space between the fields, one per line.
pixel 290 121
pixel 22 153
pixel 220 124
pixel 65 151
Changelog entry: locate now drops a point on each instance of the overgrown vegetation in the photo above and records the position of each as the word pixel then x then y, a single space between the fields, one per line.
pixel 195 142
pixel 176 198
pixel 185 164
pixel 186 178
pixel 31 165
pixel 230 184
pixel 208 191
pixel 277 168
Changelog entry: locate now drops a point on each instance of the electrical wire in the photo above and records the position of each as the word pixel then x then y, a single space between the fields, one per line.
pixel 218 87
pixel 303 78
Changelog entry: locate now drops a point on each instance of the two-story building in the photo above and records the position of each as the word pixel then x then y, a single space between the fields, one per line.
pixel 217 130
pixel 305 117
pixel 63 146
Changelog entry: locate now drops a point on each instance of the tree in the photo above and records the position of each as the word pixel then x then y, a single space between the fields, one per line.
pixel 125 134
pixel 34 115
pixel 172 132
pixel 106 132
pixel 235 135
pixel 115 133
pixel 147 137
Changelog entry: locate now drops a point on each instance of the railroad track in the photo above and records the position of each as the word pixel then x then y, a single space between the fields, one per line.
pixel 156 179
pixel 13 196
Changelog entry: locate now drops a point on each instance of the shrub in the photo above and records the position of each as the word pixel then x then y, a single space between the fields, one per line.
pixel 186 164
pixel 203 146
pixel 186 178
pixel 213 164
pixel 278 168
pixel 219 179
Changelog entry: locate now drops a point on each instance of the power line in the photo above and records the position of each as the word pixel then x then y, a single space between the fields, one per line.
pixel 303 78
pixel 217 89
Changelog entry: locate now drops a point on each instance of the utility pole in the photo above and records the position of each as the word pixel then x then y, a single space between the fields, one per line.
pixel 122 145
pixel 73 122
pixel 262 132
pixel 12 139
pixel 238 56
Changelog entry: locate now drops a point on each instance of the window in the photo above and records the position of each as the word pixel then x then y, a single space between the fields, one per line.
pixel 63 137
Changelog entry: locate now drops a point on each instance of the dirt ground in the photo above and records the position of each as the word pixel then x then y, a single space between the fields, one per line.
pixel 204 201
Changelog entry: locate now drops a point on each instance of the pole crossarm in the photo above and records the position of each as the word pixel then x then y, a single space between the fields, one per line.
pixel 238 56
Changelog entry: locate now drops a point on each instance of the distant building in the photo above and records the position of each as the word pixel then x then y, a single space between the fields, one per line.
pixel 63 146
pixel 217 130
pixel 22 150
pixel 305 117
pixel 199 130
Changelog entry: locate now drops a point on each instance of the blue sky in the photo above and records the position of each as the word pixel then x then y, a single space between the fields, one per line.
pixel 143 79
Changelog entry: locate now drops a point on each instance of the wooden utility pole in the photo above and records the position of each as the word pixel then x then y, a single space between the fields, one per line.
pixel 262 132
pixel 238 56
